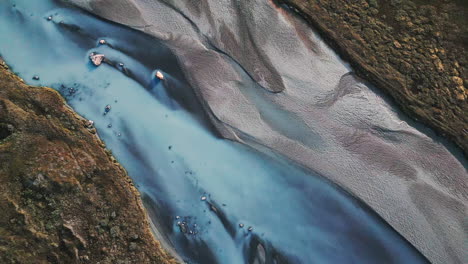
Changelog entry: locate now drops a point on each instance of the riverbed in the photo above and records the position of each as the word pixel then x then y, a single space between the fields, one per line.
pixel 243 200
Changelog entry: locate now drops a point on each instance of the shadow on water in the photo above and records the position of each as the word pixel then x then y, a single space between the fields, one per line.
pixel 212 200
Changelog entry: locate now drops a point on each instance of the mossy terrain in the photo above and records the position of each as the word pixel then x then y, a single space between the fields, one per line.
pixel 63 197
pixel 416 51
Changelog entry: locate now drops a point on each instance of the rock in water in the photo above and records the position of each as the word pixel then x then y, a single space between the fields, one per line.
pixel 159 75
pixel 96 59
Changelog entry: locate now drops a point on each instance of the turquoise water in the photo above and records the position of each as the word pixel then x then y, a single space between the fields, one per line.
pixel 185 172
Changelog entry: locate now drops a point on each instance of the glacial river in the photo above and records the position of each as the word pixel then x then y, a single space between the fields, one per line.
pixel 213 200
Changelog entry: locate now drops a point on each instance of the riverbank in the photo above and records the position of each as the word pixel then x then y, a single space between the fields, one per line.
pixel 415 51
pixel 64 198
pixel 324 117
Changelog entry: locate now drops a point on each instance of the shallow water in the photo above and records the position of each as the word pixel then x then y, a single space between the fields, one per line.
pixel 160 134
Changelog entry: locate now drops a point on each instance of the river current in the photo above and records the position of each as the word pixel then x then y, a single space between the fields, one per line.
pixel 211 199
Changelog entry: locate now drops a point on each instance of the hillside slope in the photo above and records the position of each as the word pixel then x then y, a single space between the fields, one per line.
pixel 63 197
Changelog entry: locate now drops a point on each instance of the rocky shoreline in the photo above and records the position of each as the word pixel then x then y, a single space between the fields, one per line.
pixel 415 51
pixel 64 198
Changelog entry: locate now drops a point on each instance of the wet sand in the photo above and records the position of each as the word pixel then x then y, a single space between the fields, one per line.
pixel 266 79
pixel 213 200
